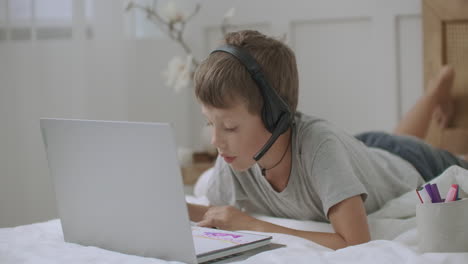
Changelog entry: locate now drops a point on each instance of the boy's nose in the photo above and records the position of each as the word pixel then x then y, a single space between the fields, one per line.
pixel 216 140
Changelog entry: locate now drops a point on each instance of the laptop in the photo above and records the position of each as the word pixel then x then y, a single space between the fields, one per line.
pixel 118 187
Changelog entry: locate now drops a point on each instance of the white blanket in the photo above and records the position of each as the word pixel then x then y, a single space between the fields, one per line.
pixel 393 230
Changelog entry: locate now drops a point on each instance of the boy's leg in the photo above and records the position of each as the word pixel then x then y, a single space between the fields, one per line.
pixel 426 159
pixel 437 100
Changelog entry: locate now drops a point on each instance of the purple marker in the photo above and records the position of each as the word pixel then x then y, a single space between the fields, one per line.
pixel 429 191
pixel 436 194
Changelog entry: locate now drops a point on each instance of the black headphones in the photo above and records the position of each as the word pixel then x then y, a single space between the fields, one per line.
pixel 276 115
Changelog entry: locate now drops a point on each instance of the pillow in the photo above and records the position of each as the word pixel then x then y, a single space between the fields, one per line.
pixel 201 186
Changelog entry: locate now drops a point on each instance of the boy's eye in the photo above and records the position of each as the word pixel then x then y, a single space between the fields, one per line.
pixel 228 129
pixel 231 129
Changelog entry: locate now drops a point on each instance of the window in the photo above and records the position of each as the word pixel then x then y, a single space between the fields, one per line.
pixel 3 20
pixel 26 20
pixel 53 19
pixel 19 16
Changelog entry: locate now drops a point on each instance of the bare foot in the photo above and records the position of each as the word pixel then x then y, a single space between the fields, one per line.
pixel 439 88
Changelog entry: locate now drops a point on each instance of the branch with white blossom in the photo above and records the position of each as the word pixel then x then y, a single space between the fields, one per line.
pixel 175 25
pixel 172 22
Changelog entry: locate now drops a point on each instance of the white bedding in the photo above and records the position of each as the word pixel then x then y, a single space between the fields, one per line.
pixel 393 230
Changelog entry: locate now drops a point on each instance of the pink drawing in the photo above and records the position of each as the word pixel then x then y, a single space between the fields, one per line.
pixel 214 234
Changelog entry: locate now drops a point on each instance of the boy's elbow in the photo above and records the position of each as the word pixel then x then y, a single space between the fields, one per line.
pixel 358 241
pixel 351 242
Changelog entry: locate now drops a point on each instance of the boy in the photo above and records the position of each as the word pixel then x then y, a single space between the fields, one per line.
pixel 313 170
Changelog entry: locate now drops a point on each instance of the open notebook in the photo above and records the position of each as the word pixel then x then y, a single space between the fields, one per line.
pixel 118 186
pixel 214 243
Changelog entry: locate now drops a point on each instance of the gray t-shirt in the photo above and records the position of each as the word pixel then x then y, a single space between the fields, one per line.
pixel 328 166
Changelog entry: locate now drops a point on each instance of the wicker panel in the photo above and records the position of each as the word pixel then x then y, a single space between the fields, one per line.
pixel 445 25
pixel 456 54
pixel 456 41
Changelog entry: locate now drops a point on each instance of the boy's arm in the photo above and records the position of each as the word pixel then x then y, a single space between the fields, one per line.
pixel 196 211
pixel 348 219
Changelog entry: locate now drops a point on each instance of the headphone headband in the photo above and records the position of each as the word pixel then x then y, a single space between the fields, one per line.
pixel 246 59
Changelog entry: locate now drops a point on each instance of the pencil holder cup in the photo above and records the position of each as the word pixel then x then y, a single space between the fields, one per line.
pixel 443 227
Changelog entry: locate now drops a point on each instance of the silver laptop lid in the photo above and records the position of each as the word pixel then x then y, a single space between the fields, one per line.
pixel 113 190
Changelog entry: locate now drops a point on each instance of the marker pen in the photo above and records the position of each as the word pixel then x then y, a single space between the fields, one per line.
pixel 424 196
pixel 428 189
pixel 419 196
pixel 451 194
pixel 436 195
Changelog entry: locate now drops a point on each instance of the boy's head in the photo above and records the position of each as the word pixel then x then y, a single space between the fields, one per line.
pixel 222 81
pixel 231 99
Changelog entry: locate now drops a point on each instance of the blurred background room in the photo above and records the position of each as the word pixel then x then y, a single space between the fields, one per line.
pixel 360 66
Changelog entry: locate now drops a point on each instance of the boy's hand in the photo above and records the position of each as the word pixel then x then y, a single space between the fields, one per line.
pixel 228 218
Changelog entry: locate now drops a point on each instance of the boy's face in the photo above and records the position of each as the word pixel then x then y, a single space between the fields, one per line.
pixel 237 134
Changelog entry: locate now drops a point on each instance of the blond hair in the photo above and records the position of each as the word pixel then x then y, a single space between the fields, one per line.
pixel 221 80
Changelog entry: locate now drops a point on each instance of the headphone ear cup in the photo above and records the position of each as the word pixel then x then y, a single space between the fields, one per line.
pixel 282 123
pixel 267 119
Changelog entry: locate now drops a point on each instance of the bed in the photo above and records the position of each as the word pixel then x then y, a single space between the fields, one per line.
pixel 393 230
